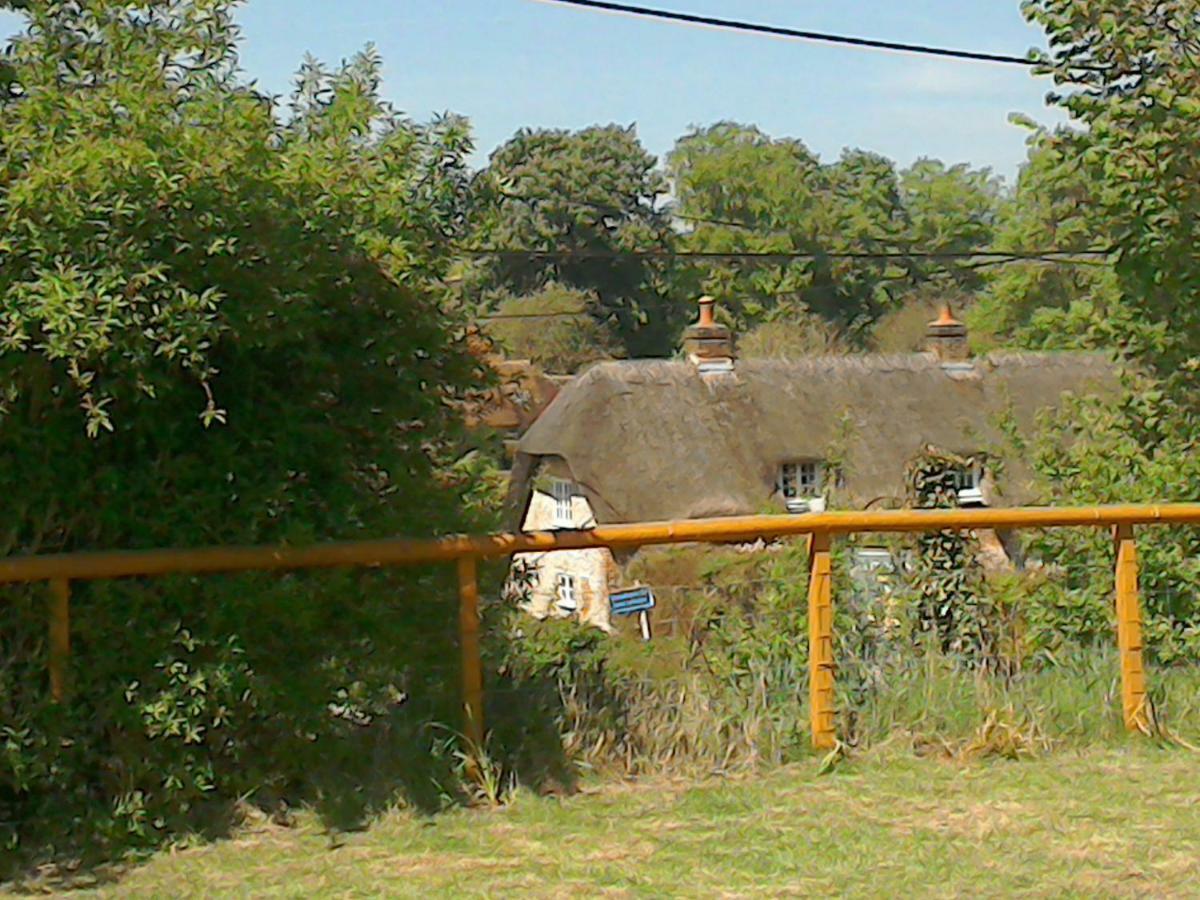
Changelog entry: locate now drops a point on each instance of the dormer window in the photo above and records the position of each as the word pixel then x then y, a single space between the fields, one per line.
pixel 800 483
pixel 563 492
pixel 969 484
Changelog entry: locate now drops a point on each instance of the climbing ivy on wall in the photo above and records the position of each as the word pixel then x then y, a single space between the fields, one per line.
pixel 947 575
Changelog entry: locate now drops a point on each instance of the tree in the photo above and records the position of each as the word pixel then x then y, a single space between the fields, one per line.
pixel 167 245
pixel 951 209
pixel 82 141
pixel 864 213
pixel 1136 447
pixel 1131 74
pixel 739 190
pixel 1043 304
pixel 554 327
pixel 216 328
pixel 586 204
pixel 1131 78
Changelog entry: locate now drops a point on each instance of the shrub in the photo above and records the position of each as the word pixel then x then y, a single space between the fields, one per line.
pixel 219 328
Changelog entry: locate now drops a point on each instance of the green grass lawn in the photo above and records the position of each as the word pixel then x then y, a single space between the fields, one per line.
pixel 1115 821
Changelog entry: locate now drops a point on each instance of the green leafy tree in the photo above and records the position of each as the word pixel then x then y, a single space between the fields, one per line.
pixel 1041 304
pixel 588 202
pixel 736 190
pixel 168 247
pixel 216 328
pixel 950 209
pixel 1130 75
pixel 1136 447
pixel 864 214
pixel 555 327
pixel 740 191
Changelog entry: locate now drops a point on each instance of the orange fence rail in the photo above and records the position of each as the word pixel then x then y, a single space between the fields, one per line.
pixel 59 570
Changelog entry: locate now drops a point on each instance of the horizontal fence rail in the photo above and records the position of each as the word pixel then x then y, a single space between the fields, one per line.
pixel 403 551
pixel 59 570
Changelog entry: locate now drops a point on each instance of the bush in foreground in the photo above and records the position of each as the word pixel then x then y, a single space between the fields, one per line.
pixel 218 328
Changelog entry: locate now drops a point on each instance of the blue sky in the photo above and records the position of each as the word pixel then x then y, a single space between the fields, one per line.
pixel 512 63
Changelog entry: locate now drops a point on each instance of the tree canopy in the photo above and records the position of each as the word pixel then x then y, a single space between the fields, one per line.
pixel 556 327
pixel 219 326
pixel 1129 74
pixel 1126 177
pixel 170 245
pixel 1038 303
pixel 590 202
pixel 739 190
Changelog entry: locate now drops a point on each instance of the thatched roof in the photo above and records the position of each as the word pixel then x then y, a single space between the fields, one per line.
pixel 655 439
pixel 521 394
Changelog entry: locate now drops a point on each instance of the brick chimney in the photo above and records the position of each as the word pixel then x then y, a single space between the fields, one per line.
pixel 708 344
pixel 946 338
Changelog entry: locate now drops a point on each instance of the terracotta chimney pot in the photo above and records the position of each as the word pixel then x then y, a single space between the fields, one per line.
pixel 946 317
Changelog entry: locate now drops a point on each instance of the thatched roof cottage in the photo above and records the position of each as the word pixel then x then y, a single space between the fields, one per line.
pixel 713 435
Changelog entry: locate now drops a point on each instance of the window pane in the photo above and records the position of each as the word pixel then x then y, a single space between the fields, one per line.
pixel 800 480
pixel 969 477
pixel 787 481
pixel 562 502
pixel 809 482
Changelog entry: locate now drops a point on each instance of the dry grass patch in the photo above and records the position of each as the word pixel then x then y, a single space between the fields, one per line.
pixel 1113 822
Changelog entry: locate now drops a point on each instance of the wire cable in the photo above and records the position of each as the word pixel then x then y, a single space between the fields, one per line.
pixel 647 12
pixel 788 255
pixel 615 212
pixel 973 266
pixel 608 209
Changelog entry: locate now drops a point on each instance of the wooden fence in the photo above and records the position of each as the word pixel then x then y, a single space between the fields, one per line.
pixel 59 570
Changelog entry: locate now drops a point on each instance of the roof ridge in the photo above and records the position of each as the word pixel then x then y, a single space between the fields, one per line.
pixel 924 358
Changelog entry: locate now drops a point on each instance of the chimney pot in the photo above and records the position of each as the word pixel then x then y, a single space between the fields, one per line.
pixel 946 317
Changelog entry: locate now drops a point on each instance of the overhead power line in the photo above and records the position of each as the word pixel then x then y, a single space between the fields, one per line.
pixel 986 263
pixel 546 315
pixel 1091 256
pixel 616 212
pixel 801 34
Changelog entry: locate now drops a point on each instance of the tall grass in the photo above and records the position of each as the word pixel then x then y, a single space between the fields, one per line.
pixel 727 686
pixel 616 721
pixel 1074 700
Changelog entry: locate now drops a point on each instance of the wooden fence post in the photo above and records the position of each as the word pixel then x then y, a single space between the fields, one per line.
pixel 1129 630
pixel 472 664
pixel 59 660
pixel 820 642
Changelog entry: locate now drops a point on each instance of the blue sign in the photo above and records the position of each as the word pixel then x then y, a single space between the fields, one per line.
pixel 635 600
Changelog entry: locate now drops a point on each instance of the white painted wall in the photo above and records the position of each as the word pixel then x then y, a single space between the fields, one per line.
pixel 593 570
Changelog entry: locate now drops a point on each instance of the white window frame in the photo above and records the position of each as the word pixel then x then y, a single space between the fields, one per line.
pixel 970 485
pixel 801 481
pixel 566 592
pixel 563 492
